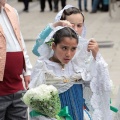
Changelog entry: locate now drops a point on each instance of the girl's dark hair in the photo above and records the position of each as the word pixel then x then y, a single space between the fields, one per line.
pixel 70 11
pixel 64 32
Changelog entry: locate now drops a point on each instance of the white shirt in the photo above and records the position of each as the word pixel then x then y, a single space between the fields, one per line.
pixel 12 44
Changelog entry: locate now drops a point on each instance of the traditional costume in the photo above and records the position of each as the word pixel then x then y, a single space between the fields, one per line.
pixel 82 78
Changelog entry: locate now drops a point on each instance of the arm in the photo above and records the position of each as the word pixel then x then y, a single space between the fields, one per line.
pixel 43 35
pixel 96 72
pixel 27 72
pixel 93 46
pixel 40 39
pixel 38 74
pixel 101 88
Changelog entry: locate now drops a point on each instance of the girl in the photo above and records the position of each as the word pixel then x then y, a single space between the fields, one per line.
pixel 63 67
pixel 72 17
pixel 87 64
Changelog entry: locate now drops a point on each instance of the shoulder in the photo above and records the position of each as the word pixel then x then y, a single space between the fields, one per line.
pixel 40 63
pixel 10 8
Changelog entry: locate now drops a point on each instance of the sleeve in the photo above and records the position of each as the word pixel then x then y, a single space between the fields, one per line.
pixel 97 81
pixel 40 39
pixel 117 115
pixel 27 61
pixel 101 88
pixel 38 74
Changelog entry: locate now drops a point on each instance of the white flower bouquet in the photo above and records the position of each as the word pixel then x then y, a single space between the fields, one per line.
pixel 44 99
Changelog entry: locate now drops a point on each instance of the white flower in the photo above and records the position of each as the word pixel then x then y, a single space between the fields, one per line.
pixel 43 99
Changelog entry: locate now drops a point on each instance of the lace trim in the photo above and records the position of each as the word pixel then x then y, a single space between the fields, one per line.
pixel 100 86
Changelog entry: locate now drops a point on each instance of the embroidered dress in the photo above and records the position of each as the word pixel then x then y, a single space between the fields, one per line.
pixel 49 72
pixel 83 70
pixel 73 98
pixel 71 92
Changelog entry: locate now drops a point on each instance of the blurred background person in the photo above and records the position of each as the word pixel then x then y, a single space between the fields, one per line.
pixel 95 4
pixel 26 5
pixel 80 5
pixel 56 3
pixel 42 5
pixel 105 5
pixel 101 5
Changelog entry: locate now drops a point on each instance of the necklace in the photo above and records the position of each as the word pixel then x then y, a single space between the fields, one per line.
pixel 57 61
pixel 63 66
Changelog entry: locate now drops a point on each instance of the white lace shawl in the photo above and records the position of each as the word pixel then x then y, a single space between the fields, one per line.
pixel 92 71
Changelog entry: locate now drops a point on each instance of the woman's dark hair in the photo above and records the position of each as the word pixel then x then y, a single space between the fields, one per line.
pixel 70 11
pixel 64 32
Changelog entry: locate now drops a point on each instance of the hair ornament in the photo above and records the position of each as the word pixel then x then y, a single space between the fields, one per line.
pixel 50 42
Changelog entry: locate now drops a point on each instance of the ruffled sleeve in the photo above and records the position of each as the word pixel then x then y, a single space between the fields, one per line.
pixel 97 87
pixel 101 89
pixel 38 74
pixel 41 38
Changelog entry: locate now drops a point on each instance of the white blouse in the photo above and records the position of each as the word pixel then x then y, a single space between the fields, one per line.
pixel 55 75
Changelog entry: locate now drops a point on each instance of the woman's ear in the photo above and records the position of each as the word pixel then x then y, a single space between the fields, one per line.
pixel 53 46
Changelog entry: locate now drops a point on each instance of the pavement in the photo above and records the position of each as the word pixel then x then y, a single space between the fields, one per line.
pixel 102 27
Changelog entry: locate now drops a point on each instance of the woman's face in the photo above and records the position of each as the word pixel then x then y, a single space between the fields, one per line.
pixel 65 50
pixel 77 21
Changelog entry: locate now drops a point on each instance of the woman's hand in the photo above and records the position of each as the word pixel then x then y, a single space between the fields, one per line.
pixel 93 46
pixel 62 23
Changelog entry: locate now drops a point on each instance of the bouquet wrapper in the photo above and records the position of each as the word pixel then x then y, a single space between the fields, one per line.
pixel 63 113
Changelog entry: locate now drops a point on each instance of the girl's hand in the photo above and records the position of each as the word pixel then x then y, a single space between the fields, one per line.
pixel 62 23
pixel 93 46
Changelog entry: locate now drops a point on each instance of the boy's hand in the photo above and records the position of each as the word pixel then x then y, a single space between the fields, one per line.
pixel 27 81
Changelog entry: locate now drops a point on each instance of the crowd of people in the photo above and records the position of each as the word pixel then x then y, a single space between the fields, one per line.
pixel 53 5
pixel 66 60
pixel 101 5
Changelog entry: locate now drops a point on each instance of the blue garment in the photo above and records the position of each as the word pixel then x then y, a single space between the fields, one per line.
pixel 41 38
pixel 105 2
pixel 80 4
pixel 95 5
pixel 73 98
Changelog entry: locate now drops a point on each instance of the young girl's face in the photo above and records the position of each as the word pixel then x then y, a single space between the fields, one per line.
pixel 65 50
pixel 77 21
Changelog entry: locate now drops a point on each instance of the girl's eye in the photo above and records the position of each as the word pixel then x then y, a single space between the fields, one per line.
pixel 64 48
pixel 73 49
pixel 79 26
